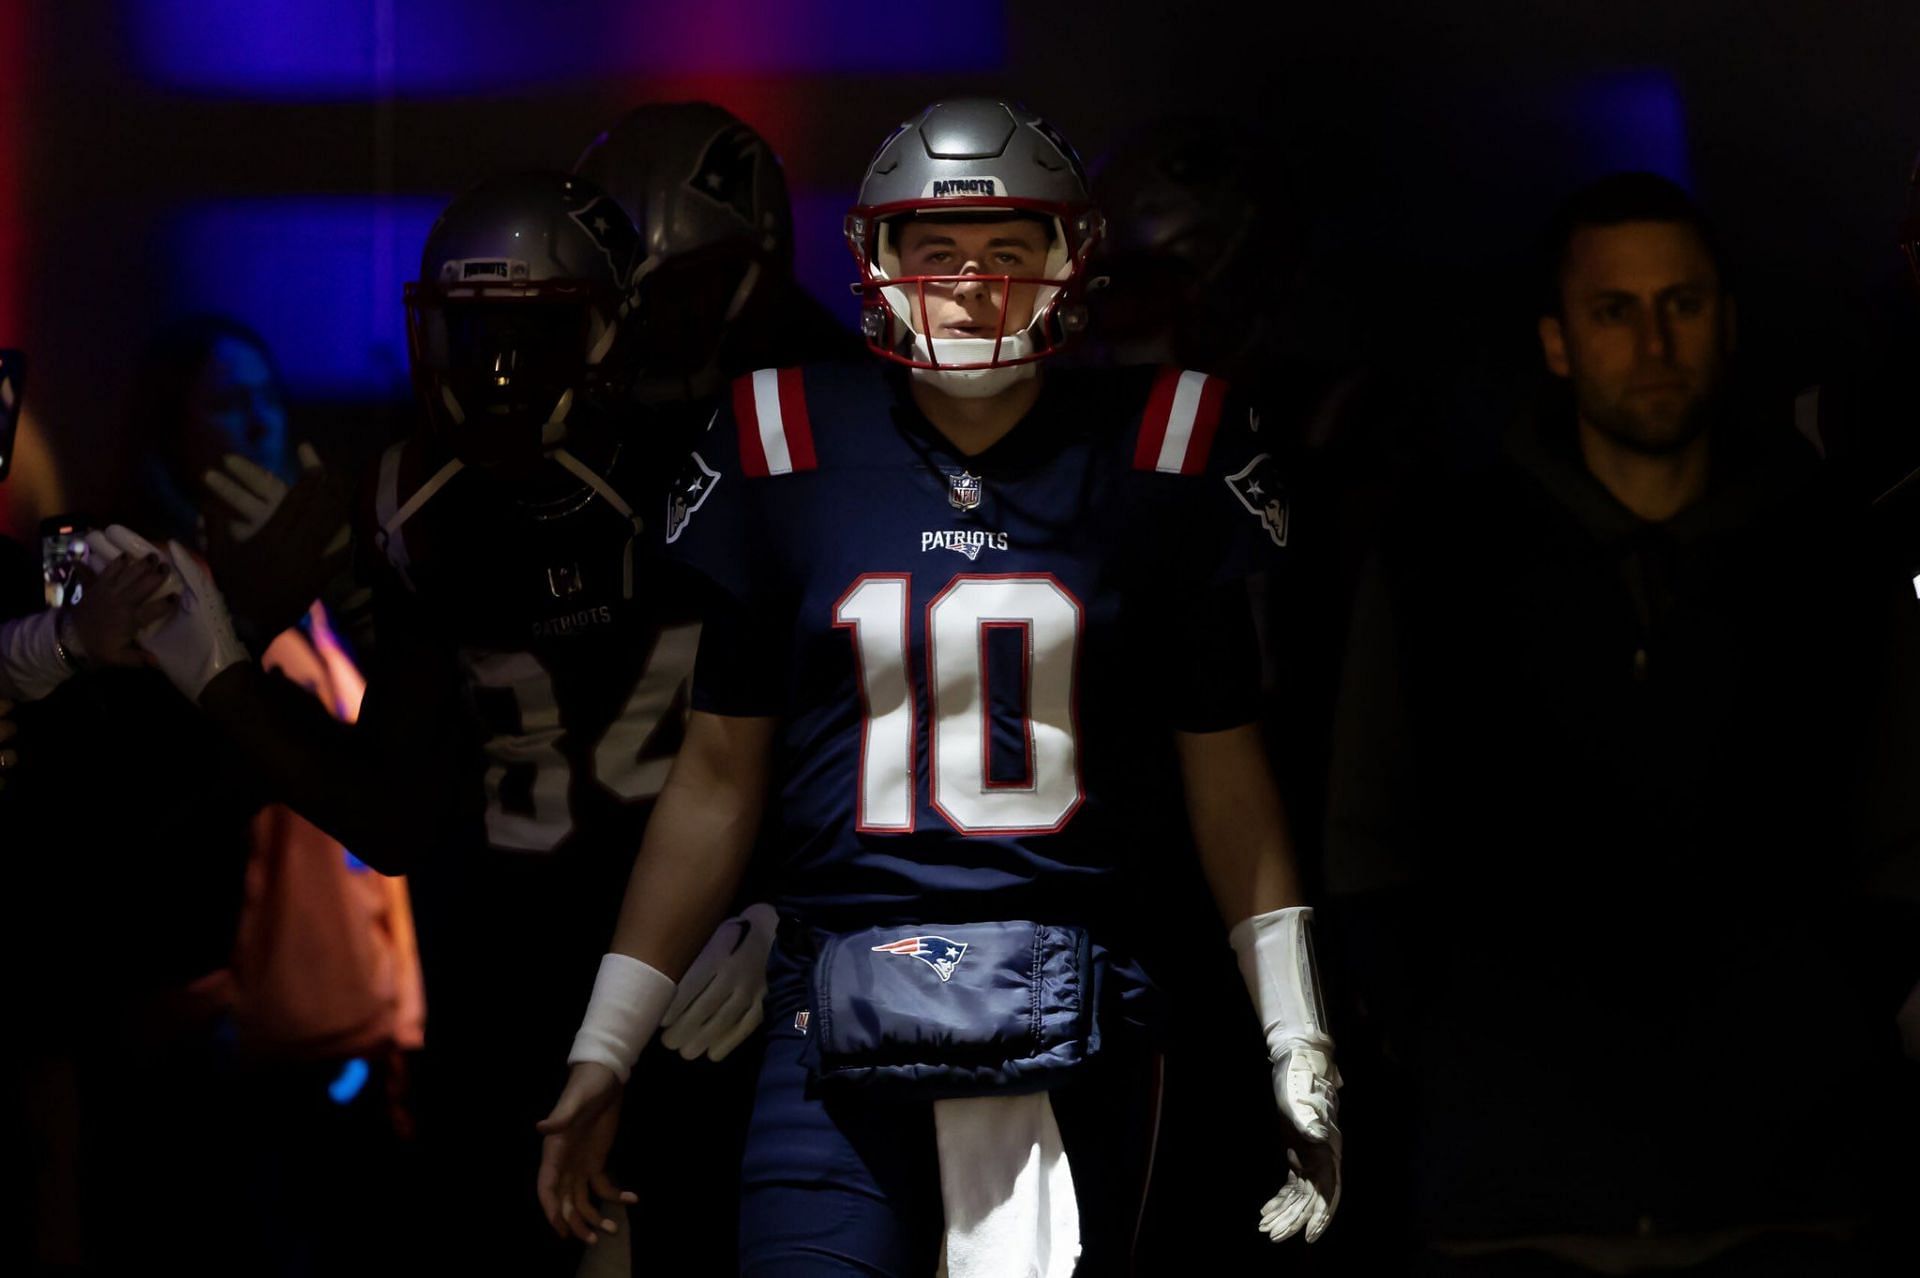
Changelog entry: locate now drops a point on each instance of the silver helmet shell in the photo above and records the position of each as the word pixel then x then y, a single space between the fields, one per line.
pixel 516 319
pixel 967 157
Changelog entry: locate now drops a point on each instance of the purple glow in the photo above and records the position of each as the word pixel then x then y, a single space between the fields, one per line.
pixel 326 49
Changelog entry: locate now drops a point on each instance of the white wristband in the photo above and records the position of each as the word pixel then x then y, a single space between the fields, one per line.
pixel 1276 959
pixel 629 998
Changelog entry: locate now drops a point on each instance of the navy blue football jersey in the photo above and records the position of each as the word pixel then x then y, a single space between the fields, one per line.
pixel 978 661
pixel 572 638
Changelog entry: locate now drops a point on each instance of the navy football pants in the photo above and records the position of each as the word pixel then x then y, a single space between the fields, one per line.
pixel 852 1186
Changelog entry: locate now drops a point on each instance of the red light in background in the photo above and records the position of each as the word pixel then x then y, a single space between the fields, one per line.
pixel 13 172
pixel 13 168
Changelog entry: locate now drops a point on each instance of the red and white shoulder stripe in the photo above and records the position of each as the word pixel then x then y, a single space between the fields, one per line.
pixel 770 408
pixel 1177 429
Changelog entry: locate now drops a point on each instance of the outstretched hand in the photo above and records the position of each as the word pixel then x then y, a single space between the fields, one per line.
pixel 573 1158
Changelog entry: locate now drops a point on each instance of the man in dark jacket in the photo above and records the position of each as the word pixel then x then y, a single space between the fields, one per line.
pixel 1615 807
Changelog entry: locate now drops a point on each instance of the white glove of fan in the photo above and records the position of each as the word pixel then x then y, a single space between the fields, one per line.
pixel 719 1001
pixel 196 642
pixel 1276 958
pixel 104 545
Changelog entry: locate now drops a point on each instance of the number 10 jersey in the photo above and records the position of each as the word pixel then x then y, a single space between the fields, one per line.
pixel 977 661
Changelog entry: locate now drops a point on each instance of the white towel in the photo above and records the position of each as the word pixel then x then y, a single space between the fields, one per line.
pixel 1007 1189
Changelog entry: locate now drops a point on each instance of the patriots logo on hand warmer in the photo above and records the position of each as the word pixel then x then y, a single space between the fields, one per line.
pixel 937 952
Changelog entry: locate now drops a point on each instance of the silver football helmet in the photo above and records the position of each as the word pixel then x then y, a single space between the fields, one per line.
pixel 515 323
pixel 967 159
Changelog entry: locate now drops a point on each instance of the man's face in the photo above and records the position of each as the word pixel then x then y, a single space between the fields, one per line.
pixel 1643 335
pixel 972 308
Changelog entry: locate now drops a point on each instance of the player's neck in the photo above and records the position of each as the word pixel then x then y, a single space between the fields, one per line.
pixel 974 425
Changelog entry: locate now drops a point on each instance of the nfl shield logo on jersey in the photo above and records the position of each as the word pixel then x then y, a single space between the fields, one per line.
pixel 963 491
pixel 937 952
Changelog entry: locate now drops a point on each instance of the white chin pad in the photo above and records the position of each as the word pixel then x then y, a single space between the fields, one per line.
pixel 976 383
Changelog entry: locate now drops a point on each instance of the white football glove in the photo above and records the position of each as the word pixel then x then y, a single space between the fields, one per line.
pixel 104 545
pixel 197 641
pixel 1276 958
pixel 718 1003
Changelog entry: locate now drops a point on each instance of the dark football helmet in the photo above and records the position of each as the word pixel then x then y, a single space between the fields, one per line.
pixel 515 326
pixel 708 200
pixel 1204 238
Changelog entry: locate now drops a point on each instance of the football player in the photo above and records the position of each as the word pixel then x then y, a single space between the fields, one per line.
pixel 979 618
pixel 526 692
pixel 714 293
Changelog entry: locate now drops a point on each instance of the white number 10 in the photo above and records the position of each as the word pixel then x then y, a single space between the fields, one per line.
pixel 958 622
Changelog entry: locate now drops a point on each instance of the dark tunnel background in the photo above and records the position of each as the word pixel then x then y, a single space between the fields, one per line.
pixel 283 161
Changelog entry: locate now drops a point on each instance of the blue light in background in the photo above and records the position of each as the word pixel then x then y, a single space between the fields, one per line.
pixel 336 49
pixel 319 277
pixel 352 1078
pixel 1629 120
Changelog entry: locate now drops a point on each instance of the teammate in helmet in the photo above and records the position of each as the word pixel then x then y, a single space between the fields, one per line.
pixel 1204 241
pixel 958 763
pixel 713 284
pixel 526 693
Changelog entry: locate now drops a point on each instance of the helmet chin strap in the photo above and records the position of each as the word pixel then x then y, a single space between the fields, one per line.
pixel 394 513
pixel 598 482
pixel 553 431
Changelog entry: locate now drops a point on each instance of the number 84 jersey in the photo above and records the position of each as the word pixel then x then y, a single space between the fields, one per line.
pixel 570 643
pixel 978 660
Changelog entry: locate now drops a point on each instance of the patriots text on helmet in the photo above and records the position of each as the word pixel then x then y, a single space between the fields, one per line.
pixel 948 188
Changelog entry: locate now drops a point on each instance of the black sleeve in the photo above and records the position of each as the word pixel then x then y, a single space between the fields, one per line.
pixel 387 787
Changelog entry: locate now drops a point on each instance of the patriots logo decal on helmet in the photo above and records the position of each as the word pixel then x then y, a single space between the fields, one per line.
pixel 604 220
pixel 937 952
pixel 726 171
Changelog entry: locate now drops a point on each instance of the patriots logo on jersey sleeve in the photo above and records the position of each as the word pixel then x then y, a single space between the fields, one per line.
pixel 1257 485
pixel 689 492
pixel 937 952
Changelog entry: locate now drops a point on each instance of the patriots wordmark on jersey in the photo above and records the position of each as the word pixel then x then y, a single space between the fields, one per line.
pixel 977 660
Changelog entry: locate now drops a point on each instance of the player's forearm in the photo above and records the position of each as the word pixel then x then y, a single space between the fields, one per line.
pixel 698 842
pixel 1239 825
pixel 313 763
